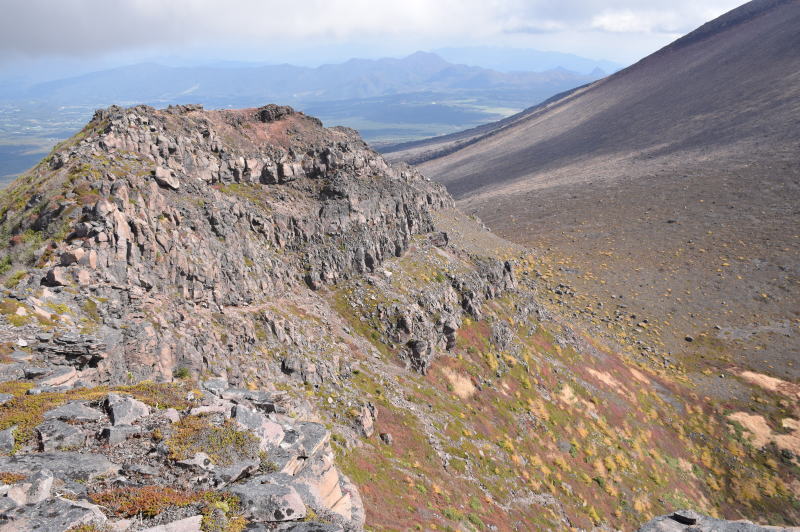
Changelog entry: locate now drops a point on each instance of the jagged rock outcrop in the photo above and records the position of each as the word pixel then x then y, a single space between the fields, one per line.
pixel 423 322
pixel 171 217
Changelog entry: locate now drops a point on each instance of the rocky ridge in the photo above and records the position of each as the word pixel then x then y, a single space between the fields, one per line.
pixel 165 220
pixel 297 299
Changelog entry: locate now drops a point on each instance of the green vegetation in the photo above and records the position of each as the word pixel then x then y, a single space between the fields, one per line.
pixel 589 429
pixel 266 465
pixel 253 193
pixel 58 308
pixel 25 412
pixel 15 278
pixel 181 373
pixel 150 501
pixel 147 501
pixel 90 527
pixel 16 313
pixel 223 443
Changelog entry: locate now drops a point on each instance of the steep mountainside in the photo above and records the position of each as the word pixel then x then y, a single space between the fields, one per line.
pixel 732 81
pixel 333 344
pixel 672 184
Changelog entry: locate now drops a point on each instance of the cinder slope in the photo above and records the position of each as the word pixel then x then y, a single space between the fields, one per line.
pixel 672 185
pixel 733 83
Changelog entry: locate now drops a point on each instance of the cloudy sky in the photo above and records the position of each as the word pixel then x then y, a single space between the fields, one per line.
pixel 93 31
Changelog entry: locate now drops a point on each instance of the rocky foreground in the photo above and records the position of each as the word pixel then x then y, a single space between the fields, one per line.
pixel 167 458
pixel 229 320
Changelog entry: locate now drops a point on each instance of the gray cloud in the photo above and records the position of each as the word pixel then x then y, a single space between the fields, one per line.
pixel 78 27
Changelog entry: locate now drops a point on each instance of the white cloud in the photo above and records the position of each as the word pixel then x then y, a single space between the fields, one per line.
pixel 75 27
pixel 622 22
pixel 678 18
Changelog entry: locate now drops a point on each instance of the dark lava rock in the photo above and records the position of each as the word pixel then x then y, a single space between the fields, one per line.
pixel 273 113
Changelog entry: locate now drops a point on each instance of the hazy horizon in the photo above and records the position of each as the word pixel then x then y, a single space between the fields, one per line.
pixel 85 35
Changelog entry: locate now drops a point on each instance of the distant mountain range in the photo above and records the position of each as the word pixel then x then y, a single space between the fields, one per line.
pixel 387 100
pixel 525 60
pixel 249 85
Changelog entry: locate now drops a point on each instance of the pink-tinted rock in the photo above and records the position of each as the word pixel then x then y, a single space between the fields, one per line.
pixel 57 277
pixel 89 259
pixel 165 178
pixel 60 377
pixel 83 277
pixel 190 524
pixel 72 256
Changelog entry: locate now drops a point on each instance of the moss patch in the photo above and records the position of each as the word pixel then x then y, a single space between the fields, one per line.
pixel 224 444
pixel 147 501
pixel 27 411
pixel 150 501
pixel 11 478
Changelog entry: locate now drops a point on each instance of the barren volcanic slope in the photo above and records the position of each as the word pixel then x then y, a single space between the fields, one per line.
pixel 334 346
pixel 671 187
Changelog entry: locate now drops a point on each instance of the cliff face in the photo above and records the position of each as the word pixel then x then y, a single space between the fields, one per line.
pixel 328 329
pixel 166 218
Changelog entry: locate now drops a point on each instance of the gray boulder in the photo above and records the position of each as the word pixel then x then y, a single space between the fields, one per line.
pixel 55 435
pixel 56 277
pixel 41 487
pixel 269 498
pixel 125 410
pixel 215 386
pixel 261 400
pixel 269 432
pixel 12 371
pixel 164 177
pixel 62 376
pixel 7 439
pixel 34 372
pixel 300 443
pixel 33 491
pixel 235 471
pixel 273 113
pixel 51 515
pixel 119 434
pixel 190 524
pixel 65 465
pixel 247 418
pixel 74 411
pixel 199 462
